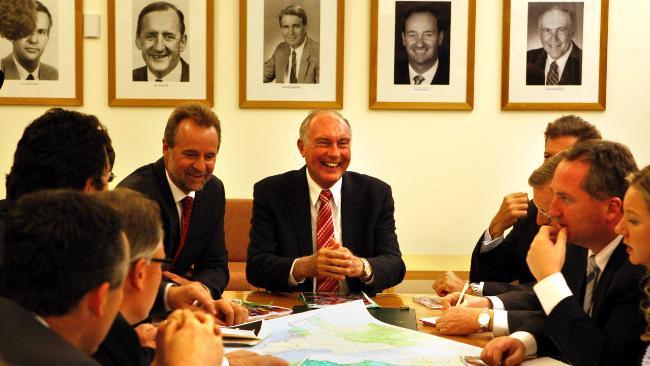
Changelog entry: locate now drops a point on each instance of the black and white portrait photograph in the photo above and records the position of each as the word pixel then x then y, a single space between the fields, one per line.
pixel 291 41
pixel 422 54
pixel 554 54
pixel 162 52
pixel 422 42
pixel 291 53
pixel 36 67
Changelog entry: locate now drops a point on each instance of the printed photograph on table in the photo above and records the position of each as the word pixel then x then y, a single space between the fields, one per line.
pixel 291 53
pixel 422 54
pixel 554 55
pixel 35 57
pixel 160 52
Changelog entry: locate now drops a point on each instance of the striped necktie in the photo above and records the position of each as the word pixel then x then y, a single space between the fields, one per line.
pixel 325 231
pixel 553 76
pixel 592 278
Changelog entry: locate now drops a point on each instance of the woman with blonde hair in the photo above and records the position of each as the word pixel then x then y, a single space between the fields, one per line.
pixel 635 228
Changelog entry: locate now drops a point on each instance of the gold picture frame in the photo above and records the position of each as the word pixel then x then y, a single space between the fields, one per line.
pixel 452 86
pixel 582 83
pixel 129 75
pixel 59 80
pixel 262 51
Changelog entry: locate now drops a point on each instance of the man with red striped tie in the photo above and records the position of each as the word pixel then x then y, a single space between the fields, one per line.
pixel 321 228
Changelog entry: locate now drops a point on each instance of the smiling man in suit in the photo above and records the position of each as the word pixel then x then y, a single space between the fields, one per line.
pixel 559 61
pixel 322 228
pixel 192 202
pixel 296 60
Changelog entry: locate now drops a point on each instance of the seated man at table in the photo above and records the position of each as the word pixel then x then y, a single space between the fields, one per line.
pixel 321 228
pixel 142 225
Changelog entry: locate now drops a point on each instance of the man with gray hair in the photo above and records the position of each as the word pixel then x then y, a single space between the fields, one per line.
pixel 296 60
pixel 322 228
pixel 559 60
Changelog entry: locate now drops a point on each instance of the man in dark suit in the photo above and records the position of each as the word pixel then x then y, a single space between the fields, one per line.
pixel 161 38
pixel 559 61
pixel 297 59
pixel 422 38
pixel 24 63
pixel 192 201
pixel 64 270
pixel 498 260
pixel 321 228
pixel 592 311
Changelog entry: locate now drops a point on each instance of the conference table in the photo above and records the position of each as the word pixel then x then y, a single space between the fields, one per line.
pixel 392 300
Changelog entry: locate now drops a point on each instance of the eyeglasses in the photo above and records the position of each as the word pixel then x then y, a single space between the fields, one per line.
pixel 165 263
pixel 546 215
pixel 111 176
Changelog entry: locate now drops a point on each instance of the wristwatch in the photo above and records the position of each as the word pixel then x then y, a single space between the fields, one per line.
pixel 484 319
pixel 475 287
pixel 367 270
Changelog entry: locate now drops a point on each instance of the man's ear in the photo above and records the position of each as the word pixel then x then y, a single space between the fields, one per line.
pixel 89 186
pixel 301 147
pixel 136 274
pixel 183 42
pixel 403 40
pixel 441 37
pixel 165 146
pixel 96 299
pixel 614 209
pixel 138 43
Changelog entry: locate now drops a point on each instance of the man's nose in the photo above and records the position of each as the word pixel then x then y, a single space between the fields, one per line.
pixel 160 43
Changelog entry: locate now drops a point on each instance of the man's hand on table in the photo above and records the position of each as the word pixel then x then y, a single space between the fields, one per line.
pixel 447 283
pixel 469 301
pixel 247 358
pixel 506 351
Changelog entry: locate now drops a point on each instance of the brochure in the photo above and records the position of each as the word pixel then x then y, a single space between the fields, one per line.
pixel 315 300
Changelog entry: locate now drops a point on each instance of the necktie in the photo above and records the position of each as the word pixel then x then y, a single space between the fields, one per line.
pixel 324 231
pixel 592 277
pixel 187 203
pixel 159 80
pixel 30 77
pixel 292 74
pixel 418 79
pixel 553 76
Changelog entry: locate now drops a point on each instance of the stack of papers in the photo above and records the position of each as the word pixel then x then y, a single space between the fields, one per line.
pixel 317 300
pixel 432 302
pixel 247 334
pixel 262 311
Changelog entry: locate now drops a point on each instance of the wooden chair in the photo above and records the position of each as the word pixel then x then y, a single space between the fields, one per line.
pixel 237 224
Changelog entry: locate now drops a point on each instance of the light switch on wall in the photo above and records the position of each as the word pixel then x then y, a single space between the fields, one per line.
pixel 91 25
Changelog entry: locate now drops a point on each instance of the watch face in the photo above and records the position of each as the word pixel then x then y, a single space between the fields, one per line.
pixel 484 319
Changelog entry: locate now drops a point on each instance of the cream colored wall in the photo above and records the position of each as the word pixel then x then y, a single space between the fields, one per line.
pixel 448 170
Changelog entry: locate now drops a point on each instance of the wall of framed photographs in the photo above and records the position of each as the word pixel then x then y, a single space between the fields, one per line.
pixel 448 169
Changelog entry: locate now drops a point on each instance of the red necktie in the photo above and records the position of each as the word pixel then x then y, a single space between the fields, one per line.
pixel 324 231
pixel 187 203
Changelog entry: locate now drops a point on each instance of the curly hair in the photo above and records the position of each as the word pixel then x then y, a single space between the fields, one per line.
pixel 17 18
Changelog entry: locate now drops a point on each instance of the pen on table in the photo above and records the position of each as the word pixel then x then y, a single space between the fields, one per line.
pixel 462 294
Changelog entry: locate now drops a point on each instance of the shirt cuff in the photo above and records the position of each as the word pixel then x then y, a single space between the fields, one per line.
pixel 479 289
pixel 292 281
pixel 551 290
pixel 530 344
pixel 500 323
pixel 489 243
pixel 497 304
pixel 224 361
pixel 167 287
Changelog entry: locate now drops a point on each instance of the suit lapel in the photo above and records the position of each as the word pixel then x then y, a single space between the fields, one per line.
pixel 10 69
pixel 283 65
pixel 617 259
pixel 350 212
pixel 575 268
pixel 168 209
pixel 300 211
pixel 304 61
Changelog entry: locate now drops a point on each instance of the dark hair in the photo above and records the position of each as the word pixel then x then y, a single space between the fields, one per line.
pixel 140 217
pixel 421 9
pixel 571 125
pixel 609 164
pixel 544 174
pixel 17 19
pixel 296 10
pixel 60 149
pixel 197 112
pixel 160 6
pixel 59 245
pixel 40 7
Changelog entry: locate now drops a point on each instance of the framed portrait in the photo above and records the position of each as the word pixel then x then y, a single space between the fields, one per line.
pixel 160 52
pixel 422 54
pixel 291 53
pixel 40 69
pixel 554 55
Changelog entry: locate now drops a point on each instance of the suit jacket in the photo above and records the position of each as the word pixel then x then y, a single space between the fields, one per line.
pixel 122 346
pixel 507 262
pixel 611 335
pixel 536 63
pixel 9 68
pixel 276 66
pixel 281 230
pixel 401 72
pixel 204 247
pixel 140 74
pixel 25 341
